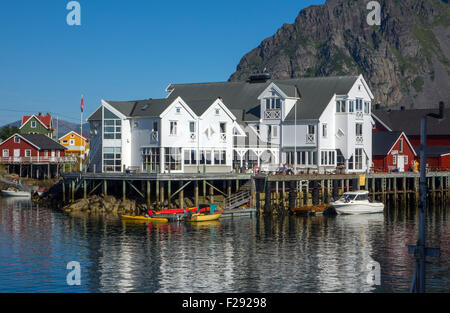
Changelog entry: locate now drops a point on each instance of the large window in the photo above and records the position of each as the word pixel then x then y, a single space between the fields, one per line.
pixel 359 105
pixel 190 157
pixel 5 153
pixel 324 130
pixel 220 157
pixel 112 159
pixel 351 106
pixel 112 129
pixel 151 159
pixel 366 107
pixel 340 106
pixel 172 159
pixel 327 157
pixel 358 159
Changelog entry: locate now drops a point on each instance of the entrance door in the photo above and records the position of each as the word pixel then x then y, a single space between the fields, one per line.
pixel 16 155
pixel 401 163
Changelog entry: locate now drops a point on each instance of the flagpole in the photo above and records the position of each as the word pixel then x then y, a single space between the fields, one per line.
pixel 81 134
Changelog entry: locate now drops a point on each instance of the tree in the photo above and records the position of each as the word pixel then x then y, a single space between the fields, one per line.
pixel 7 131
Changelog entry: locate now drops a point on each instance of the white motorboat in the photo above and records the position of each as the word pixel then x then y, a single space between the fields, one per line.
pixel 12 192
pixel 356 202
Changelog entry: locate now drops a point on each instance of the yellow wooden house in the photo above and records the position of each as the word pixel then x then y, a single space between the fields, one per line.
pixel 76 144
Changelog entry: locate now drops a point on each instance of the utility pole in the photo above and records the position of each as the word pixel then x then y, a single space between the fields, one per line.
pixel 420 250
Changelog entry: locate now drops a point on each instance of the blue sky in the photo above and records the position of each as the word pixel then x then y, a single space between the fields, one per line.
pixel 124 50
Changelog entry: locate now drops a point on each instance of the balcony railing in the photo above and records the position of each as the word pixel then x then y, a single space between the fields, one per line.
pixel 272 114
pixel 310 138
pixel 193 136
pixel 223 137
pixel 359 115
pixel 359 140
pixel 35 159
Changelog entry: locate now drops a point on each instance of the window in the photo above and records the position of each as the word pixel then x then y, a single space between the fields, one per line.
pixel 340 133
pixel 366 107
pixel 401 144
pixel 155 126
pixel 340 106
pixel 112 129
pixel 112 159
pixel 223 128
pixel 72 142
pixel 151 159
pixel 359 104
pixel 358 159
pixel 311 130
pixel 359 129
pixel 172 159
pixel 217 111
pixel 27 153
pixel 192 127
pixel 361 197
pixel 351 106
pixel 5 153
pixel 324 130
pixel 64 141
pixel 405 157
pixel 394 159
pixel 327 157
pixel 178 109
pixel 173 128
pixel 33 124
pixel 272 131
pixel 190 157
pixel 16 139
pixel 273 103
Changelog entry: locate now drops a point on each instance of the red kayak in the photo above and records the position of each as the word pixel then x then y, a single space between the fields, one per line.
pixel 179 211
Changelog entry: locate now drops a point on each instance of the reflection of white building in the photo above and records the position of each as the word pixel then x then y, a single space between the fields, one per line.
pixel 315 123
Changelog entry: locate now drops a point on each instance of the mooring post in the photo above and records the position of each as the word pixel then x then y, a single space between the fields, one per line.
pixel 148 194
pixel 204 191
pixel 84 189
pixel 105 188
pixel 229 188
pixel 169 193
pixel 161 193
pixel 73 190
pixel 315 192
pixel 64 191
pixel 292 194
pixel 394 182
pixel 158 203
pixel 267 204
pixel 196 193
pixel 124 190
pixel 322 183
pixel 211 194
pixel 276 195
pixel 283 194
pixel 181 195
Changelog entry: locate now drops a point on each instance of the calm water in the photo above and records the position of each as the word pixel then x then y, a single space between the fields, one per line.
pixel 281 254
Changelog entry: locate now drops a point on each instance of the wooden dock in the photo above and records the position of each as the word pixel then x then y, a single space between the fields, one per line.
pixel 265 193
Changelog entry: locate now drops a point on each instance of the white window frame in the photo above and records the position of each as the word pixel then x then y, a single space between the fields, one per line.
pixel 325 130
pixel 27 153
pixel 33 124
pixel 16 139
pixel 5 155
pixel 173 128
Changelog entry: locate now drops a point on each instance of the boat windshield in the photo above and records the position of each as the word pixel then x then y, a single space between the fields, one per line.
pixel 347 197
pixel 361 197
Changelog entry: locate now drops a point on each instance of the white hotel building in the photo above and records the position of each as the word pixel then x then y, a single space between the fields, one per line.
pixel 314 124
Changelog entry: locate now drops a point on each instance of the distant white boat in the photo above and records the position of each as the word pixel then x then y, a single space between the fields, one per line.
pixel 356 202
pixel 16 193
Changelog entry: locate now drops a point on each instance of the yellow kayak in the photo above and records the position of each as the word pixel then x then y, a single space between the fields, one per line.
pixel 145 219
pixel 204 217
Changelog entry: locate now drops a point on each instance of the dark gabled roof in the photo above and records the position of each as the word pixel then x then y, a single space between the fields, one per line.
pixel 43 142
pixel 97 115
pixel 434 150
pixel 315 94
pixel 382 142
pixel 140 108
pixel 408 121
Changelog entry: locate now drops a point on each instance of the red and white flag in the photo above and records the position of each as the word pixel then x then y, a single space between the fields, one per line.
pixel 82 104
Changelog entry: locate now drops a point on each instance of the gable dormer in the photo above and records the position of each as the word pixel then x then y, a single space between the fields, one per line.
pixel 272 101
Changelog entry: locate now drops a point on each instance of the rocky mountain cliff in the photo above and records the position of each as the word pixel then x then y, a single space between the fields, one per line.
pixel 405 60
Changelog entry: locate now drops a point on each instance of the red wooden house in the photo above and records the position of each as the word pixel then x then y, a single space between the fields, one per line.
pixel 392 151
pixel 31 148
pixel 408 121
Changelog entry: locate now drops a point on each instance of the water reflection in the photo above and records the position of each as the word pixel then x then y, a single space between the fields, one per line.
pixel 271 254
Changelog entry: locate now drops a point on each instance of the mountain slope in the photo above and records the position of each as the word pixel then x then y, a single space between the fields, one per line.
pixel 406 60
